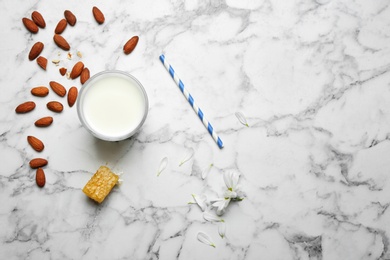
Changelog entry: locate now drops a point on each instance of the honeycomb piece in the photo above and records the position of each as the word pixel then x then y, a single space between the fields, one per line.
pixel 101 183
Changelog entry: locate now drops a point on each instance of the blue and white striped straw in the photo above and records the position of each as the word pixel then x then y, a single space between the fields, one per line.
pixel 190 99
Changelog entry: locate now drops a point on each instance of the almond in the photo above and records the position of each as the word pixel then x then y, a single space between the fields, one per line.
pixel 77 69
pixel 38 19
pixel 58 88
pixel 44 121
pixel 42 62
pixel 72 96
pixel 30 25
pixel 35 143
pixel 40 178
pixel 130 45
pixel 61 26
pixel 70 17
pixel 99 16
pixel 55 106
pixel 25 107
pixel 40 91
pixel 62 71
pixel 61 42
pixel 84 75
pixel 37 163
pixel 36 49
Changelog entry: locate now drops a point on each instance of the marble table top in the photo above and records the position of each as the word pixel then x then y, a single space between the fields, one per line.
pixel 310 78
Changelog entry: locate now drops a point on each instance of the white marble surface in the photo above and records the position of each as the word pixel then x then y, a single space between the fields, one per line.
pixel 312 78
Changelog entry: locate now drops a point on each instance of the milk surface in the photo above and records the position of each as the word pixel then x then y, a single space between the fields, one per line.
pixel 113 106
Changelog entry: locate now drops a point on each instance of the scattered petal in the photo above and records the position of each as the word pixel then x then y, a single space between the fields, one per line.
pixel 187 157
pixel 206 171
pixel 205 239
pixel 211 217
pixel 163 165
pixel 120 181
pixel 240 116
pixel 222 229
pixel 201 201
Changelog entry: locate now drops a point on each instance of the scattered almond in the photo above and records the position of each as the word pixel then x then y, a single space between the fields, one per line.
pixel 36 49
pixel 61 26
pixel 70 17
pixel 37 163
pixel 35 143
pixel 58 88
pixel 61 42
pixel 30 25
pixel 79 54
pixel 38 19
pixel 62 71
pixel 44 121
pixel 25 107
pixel 55 106
pixel 72 96
pixel 42 62
pixel 84 75
pixel 69 56
pixel 76 70
pixel 40 91
pixel 40 178
pixel 130 45
pixel 99 16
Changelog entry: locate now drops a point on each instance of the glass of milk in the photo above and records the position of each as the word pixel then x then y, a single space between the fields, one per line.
pixel 112 105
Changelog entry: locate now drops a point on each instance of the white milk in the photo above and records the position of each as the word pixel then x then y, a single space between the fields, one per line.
pixel 113 106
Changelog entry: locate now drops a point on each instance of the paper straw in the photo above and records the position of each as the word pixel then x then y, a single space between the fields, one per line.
pixel 191 100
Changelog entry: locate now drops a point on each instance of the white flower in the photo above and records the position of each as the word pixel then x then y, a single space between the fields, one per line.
pixel 200 200
pixel 231 181
pixel 211 217
pixel 231 194
pixel 205 239
pixel 221 205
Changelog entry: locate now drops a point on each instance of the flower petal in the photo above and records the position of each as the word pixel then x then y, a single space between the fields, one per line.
pixel 201 201
pixel 240 116
pixel 206 171
pixel 205 239
pixel 222 229
pixel 230 194
pixel 187 157
pixel 231 179
pixel 163 165
pixel 221 205
pixel 211 217
pixel 227 179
